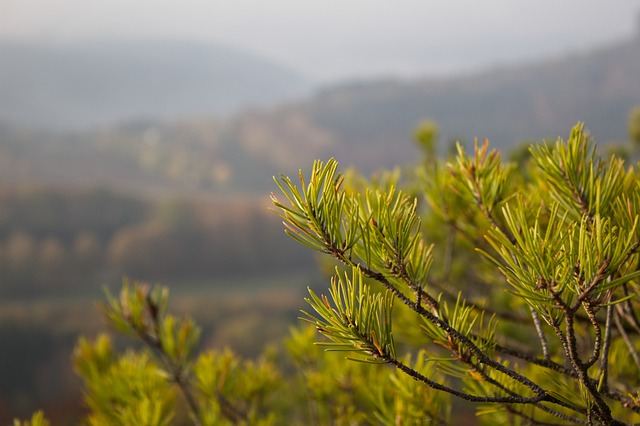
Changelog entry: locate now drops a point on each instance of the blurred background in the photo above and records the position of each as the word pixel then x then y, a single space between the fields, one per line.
pixel 139 139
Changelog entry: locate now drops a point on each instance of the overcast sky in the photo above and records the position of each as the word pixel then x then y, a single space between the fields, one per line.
pixel 331 40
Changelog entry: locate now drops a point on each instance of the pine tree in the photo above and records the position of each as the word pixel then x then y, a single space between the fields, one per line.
pixel 511 287
pixel 539 325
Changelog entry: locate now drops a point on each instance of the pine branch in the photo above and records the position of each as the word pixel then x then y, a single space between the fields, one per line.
pixel 533 421
pixel 567 259
pixel 140 311
pixel 540 333
pixel 570 346
pixel 597 344
pixel 604 360
pixel 473 398
pixel 535 360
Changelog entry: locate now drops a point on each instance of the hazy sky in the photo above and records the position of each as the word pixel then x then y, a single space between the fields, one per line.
pixel 341 39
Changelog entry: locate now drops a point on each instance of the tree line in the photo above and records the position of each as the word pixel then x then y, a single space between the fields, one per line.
pixel 53 240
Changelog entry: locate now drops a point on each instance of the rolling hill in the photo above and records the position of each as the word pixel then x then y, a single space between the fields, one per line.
pixel 506 105
pixel 364 124
pixel 102 83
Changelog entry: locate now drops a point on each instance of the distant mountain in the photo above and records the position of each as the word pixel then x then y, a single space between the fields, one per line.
pixel 101 83
pixel 368 125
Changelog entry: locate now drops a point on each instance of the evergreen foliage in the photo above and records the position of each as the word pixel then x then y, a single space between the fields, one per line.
pixel 169 382
pixel 561 240
pixel 513 288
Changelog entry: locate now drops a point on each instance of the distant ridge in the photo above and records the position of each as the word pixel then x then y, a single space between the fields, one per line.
pixel 506 104
pixel 101 83
pixel 368 125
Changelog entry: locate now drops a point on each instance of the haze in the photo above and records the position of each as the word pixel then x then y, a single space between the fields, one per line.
pixel 333 40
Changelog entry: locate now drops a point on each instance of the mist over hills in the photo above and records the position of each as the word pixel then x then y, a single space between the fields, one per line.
pixel 506 104
pixel 370 124
pixel 366 124
pixel 102 83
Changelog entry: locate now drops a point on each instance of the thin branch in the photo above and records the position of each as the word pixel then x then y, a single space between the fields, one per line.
pixel 597 344
pixel 148 330
pixel 569 344
pixel 535 360
pixel 626 310
pixel 603 410
pixel 604 361
pixel 177 371
pixel 562 416
pixel 541 336
pixel 473 398
pixel 485 376
pixel 627 340
pixel 513 399
pixel 419 309
pixel 401 271
pixel 624 400
pixel 466 341
pixel 597 279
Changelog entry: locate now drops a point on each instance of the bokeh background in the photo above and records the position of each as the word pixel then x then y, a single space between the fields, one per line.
pixel 139 139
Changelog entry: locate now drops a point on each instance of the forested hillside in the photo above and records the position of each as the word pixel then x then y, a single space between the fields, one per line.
pixel 365 124
pixel 369 123
pixel 56 242
pixel 221 169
